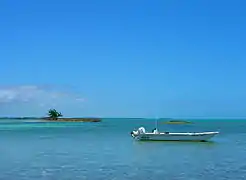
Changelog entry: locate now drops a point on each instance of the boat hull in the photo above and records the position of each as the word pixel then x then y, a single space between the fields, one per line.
pixel 175 136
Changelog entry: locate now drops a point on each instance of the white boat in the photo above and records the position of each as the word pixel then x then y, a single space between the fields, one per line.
pixel 141 134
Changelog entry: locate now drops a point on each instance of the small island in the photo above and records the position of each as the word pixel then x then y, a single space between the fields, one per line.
pixel 177 122
pixel 54 115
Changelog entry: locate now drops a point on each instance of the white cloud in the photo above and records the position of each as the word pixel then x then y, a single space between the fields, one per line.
pixel 41 96
pixel 80 99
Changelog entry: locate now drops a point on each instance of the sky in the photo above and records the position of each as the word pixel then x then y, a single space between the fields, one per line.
pixel 126 58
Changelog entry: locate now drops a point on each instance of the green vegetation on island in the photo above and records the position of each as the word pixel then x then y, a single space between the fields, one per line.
pixel 177 122
pixel 54 115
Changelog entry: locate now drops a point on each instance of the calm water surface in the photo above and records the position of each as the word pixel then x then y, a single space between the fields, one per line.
pixel 65 151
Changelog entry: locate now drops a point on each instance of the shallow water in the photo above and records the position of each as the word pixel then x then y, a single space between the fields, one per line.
pixel 65 151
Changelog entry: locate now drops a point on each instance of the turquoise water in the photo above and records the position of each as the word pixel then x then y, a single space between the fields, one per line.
pixel 65 151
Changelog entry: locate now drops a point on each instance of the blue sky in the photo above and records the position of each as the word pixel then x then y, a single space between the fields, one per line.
pixel 129 58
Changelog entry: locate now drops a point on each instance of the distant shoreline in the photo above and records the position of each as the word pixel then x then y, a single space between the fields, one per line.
pixel 56 120
pixel 73 119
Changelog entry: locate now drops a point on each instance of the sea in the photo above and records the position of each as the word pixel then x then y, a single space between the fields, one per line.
pixel 36 150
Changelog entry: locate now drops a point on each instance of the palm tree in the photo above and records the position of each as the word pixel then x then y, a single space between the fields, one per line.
pixel 53 114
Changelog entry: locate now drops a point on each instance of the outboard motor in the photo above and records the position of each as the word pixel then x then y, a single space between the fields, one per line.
pixel 132 134
pixel 141 130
